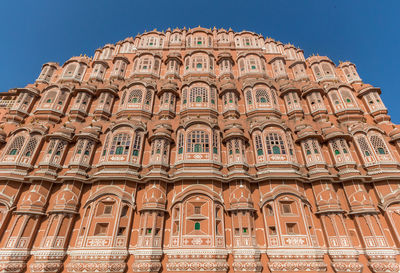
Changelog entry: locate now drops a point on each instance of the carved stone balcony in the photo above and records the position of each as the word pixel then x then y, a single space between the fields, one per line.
pixel 52 160
pixel 80 163
pixel 79 111
pixel 107 94
pixel 23 104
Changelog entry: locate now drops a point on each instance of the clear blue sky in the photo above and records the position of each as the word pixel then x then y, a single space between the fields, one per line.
pixel 362 31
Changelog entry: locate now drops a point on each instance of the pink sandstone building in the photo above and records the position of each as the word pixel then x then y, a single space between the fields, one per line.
pixel 201 150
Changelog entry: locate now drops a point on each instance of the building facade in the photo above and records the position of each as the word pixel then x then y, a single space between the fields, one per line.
pixel 198 150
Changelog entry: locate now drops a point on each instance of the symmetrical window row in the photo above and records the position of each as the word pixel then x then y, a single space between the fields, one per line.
pixel 198 142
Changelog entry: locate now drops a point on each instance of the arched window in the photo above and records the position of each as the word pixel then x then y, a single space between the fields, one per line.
pixel 50 97
pixel 364 146
pixel 198 94
pixel 340 150
pixel 292 101
pixel 148 97
pixel 315 102
pixel 180 143
pixel 145 64
pixel 135 96
pixel 259 147
pixel 31 146
pixel 136 144
pixel 374 101
pixel 120 144
pixel 215 142
pixel 347 97
pixel 262 96
pixel 327 69
pixel 312 152
pixel 119 69
pixel 249 97
pixel 105 148
pixel 241 65
pixel 275 144
pixel 317 72
pixel 184 96
pixel 16 145
pixel 69 70
pixel 198 142
pixel 378 145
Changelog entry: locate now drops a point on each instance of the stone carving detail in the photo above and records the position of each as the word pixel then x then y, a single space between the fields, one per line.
pixel 203 150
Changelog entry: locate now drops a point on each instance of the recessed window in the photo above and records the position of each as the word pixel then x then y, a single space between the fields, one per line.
pixel 237 231
pixel 196 210
pixel 107 209
pixel 337 152
pixel 245 230
pixel 272 231
pixel 148 231
pixel 286 208
pixel 291 228
pixel 121 231
pixel 13 152
pixel 124 211
pixel 101 229
pixel 259 152
pixel 270 211
pixel 197 226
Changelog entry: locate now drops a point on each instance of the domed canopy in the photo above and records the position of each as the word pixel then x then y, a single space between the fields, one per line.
pixel 240 198
pixel 154 198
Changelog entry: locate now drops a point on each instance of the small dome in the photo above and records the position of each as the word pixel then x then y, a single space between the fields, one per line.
pixel 66 200
pixel 306 131
pixel 154 198
pixel 332 132
pixel 34 200
pixel 240 198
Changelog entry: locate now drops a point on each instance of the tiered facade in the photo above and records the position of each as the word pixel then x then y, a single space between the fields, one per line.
pixel 199 150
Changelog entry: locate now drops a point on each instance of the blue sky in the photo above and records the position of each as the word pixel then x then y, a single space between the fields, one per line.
pixel 364 32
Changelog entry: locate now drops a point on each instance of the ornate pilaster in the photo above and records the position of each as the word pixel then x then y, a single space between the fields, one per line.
pixel 52 251
pixel 149 249
pixel 24 225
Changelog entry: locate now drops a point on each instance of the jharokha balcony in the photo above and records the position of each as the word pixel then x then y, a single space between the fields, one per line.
pixel 198 150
